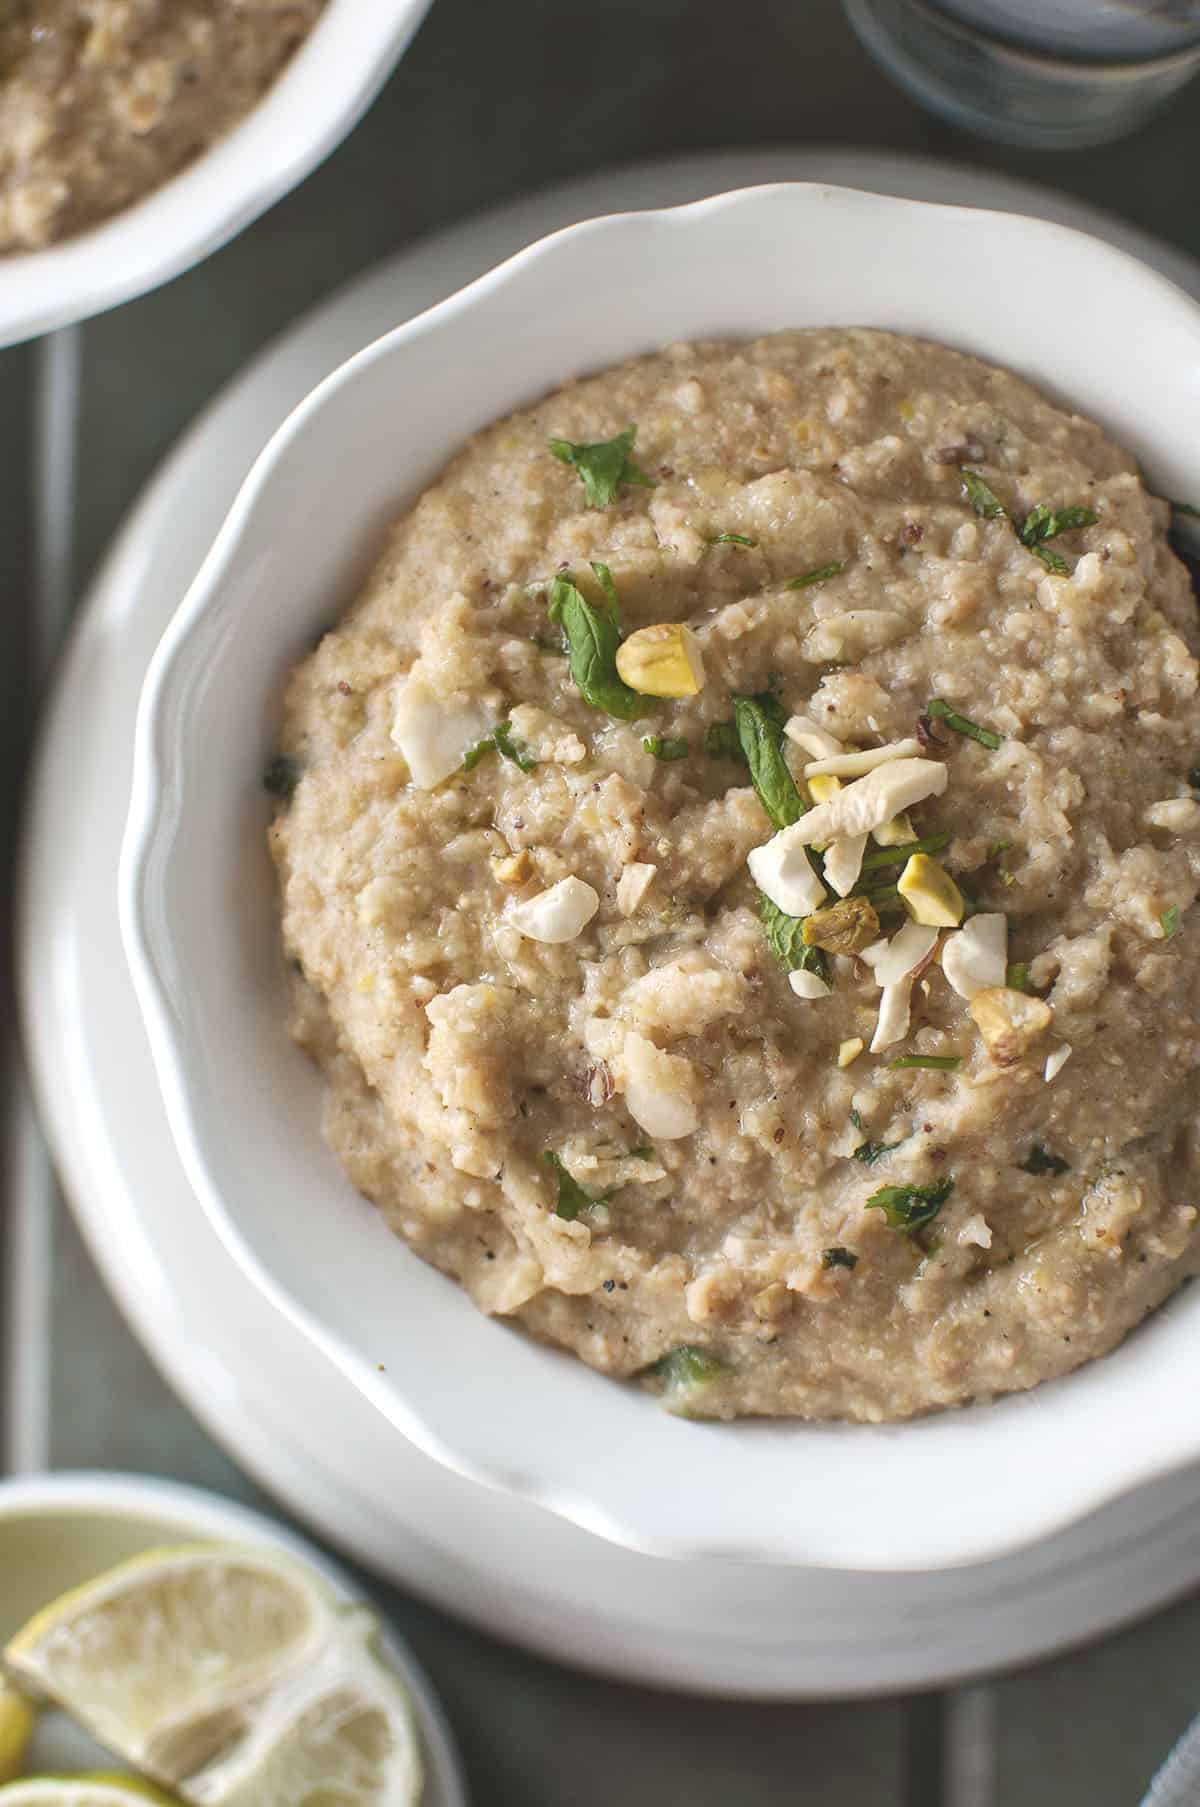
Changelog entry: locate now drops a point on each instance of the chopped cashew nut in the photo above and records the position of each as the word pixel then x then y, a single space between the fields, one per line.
pixel 808 985
pixel 975 958
pixel 1056 1061
pixel 662 660
pixel 812 739
pixel 894 1005
pixel 433 736
pixel 659 1089
pixel 930 893
pixel 633 885
pixel 1181 815
pixel 784 873
pixel 1009 1021
pixel 855 764
pixel 513 868
pixel 908 948
pixel 869 801
pixel 558 914
pixel 849 1051
pixel 843 863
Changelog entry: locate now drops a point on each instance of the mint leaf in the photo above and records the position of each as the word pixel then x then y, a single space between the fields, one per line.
pixel 1170 921
pixel 721 741
pixel 685 1372
pixel 1046 523
pixel 759 724
pixel 817 575
pixel 938 709
pixel 512 749
pixel 604 578
pixel 839 1257
pixel 898 856
pixel 982 496
pixel 281 777
pixel 1040 1162
pixel 603 467
pixel 936 1063
pixel 665 748
pixel 910 1208
pixel 730 539
pixel 573 1201
pixel 785 938
pixel 592 641
pixel 1188 508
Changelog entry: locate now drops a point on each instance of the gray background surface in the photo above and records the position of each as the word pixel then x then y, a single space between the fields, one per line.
pixel 492 101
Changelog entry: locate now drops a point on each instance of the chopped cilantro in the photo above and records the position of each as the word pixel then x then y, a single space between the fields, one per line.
pixel 721 741
pixel 1186 508
pixel 593 638
pixel 940 710
pixel 1170 921
pixel 869 1152
pixel 573 1201
pixel 897 856
pixel 664 748
pixel 936 1063
pixel 730 539
pixel 759 723
pixel 910 1208
pixel 645 1153
pixel 785 938
pixel 839 1257
pixel 603 467
pixel 982 496
pixel 474 754
pixel 281 777
pixel 1042 523
pixel 1017 976
pixel 1039 1161
pixel 817 575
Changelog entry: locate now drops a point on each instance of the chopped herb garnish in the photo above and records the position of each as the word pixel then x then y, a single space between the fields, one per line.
pixel 856 1120
pixel 549 643
pixel 1039 1161
pixel 897 856
pixel 911 1207
pixel 642 1154
pixel 839 1257
pixel 785 937
pixel 730 539
pixel 1194 777
pixel 982 496
pixel 664 748
pixel 1186 508
pixel 817 575
pixel 1042 523
pixel 940 710
pixel 500 741
pixel 686 1371
pixel 281 777
pixel 1017 976
pixel 721 741
pixel 607 582
pixel 573 1201
pixel 1170 921
pixel 870 1152
pixel 936 1063
pixel 759 723
pixel 593 638
pixel 603 467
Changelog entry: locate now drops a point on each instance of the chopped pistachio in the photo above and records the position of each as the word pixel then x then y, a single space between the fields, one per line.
pixel 823 787
pixel 930 893
pixel 662 660
pixel 845 927
pixel 896 833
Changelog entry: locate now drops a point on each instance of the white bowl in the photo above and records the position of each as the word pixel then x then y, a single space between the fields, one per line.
pixel 320 95
pixel 59 1531
pixel 200 918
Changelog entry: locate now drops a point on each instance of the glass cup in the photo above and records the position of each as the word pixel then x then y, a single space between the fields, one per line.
pixel 1050 74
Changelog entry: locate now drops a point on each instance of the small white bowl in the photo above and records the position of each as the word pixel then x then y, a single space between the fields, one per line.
pixel 59 1530
pixel 321 94
pixel 200 915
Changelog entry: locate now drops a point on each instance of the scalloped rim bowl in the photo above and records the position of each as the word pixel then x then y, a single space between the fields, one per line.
pixel 200 921
pixel 318 97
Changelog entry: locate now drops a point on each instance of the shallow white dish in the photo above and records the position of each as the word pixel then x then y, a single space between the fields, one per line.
pixel 59 1531
pixel 261 1388
pixel 199 911
pixel 319 96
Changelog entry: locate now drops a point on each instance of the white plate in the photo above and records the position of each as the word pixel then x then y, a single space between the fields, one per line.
pixel 58 1531
pixel 319 97
pixel 284 1411
pixel 200 912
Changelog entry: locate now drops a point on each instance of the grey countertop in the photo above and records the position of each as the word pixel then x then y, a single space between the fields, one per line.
pixel 494 100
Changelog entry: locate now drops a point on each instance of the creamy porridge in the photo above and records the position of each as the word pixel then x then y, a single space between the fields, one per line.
pixel 102 100
pixel 741 878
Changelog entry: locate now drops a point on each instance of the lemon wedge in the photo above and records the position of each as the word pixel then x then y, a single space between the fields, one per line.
pixel 205 1665
pixel 81 1791
pixel 16 1728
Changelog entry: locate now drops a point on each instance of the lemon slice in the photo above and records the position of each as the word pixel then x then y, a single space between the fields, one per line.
pixel 16 1728
pixel 226 1674
pixel 81 1791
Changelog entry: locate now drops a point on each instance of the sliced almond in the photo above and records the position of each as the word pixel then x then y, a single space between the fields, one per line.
pixel 558 914
pixel 1056 1061
pixel 856 763
pixel 783 872
pixel 633 884
pixel 975 957
pixel 659 1089
pixel 908 949
pixel 894 1008
pixel 843 863
pixel 813 739
pixel 808 985
pixel 869 802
